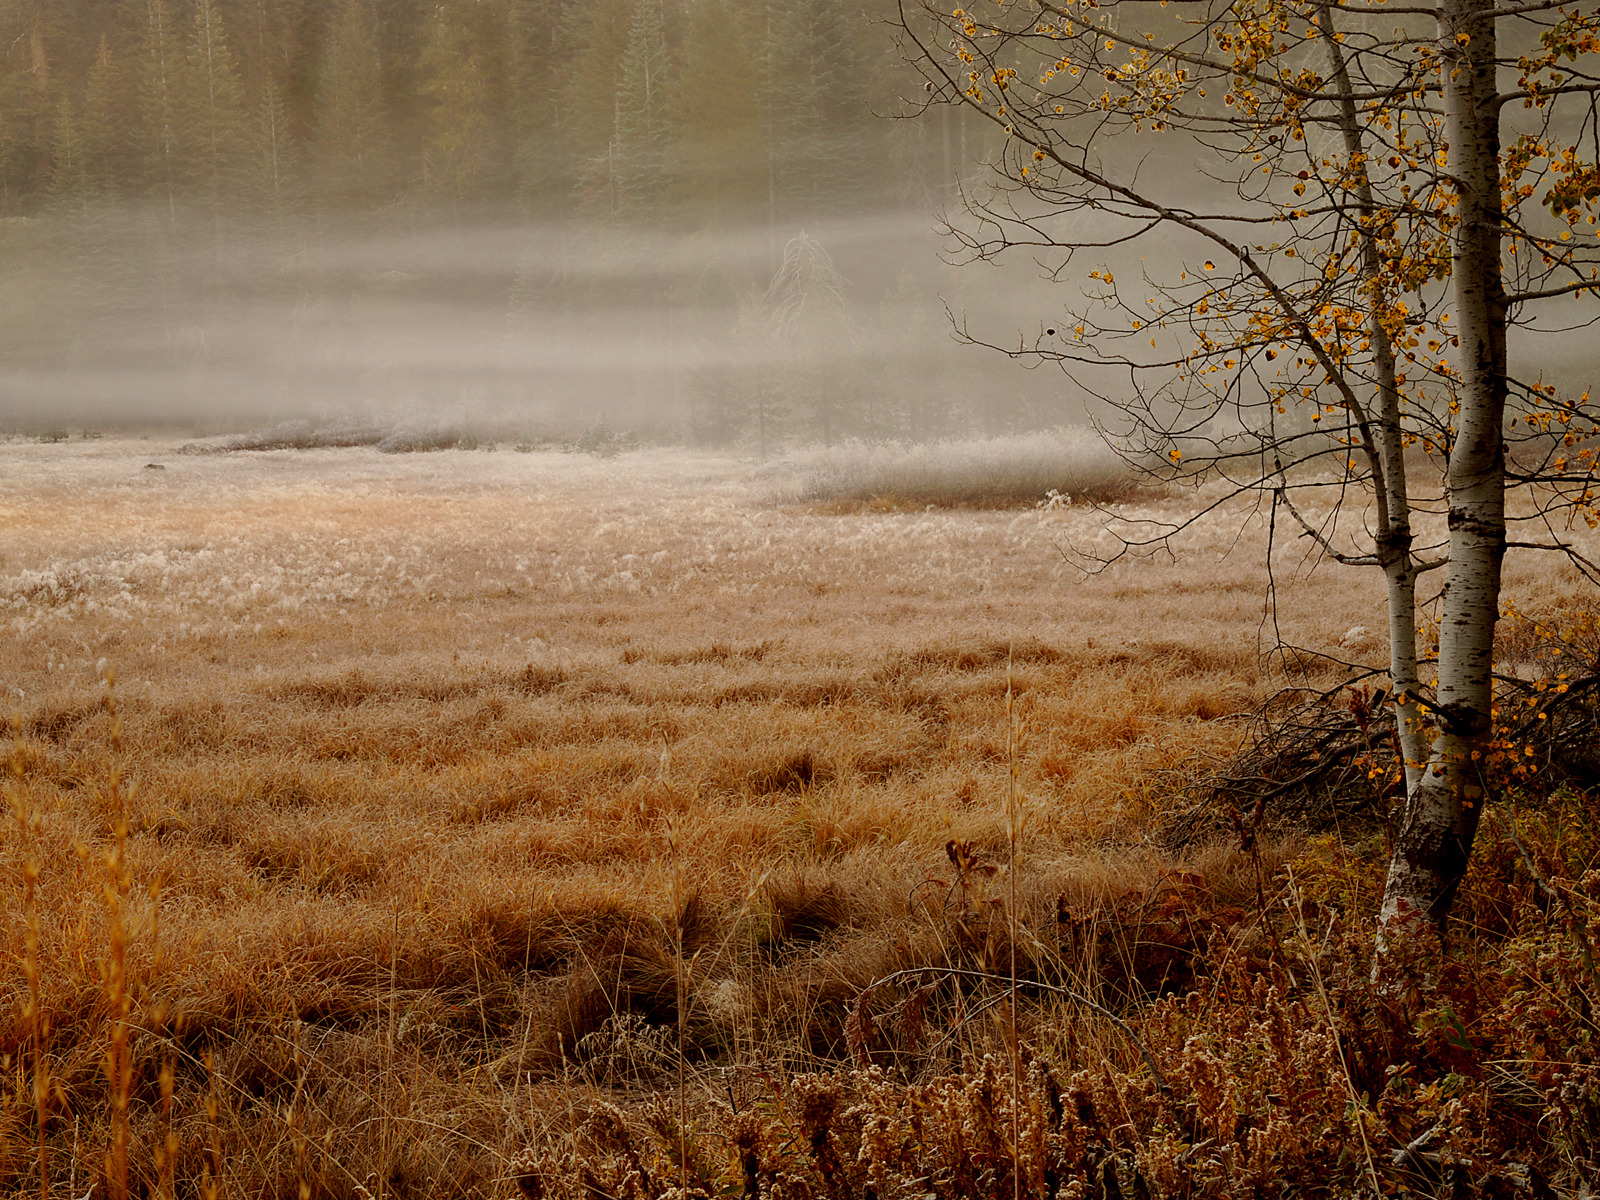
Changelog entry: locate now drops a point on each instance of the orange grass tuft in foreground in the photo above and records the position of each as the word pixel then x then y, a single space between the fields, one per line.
pixel 403 742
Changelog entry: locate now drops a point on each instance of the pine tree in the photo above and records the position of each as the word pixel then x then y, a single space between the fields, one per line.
pixel 351 143
pixel 459 71
pixel 542 170
pixel 26 108
pixel 109 147
pixel 643 131
pixel 69 184
pixel 160 70
pixel 721 148
pixel 277 188
pixel 594 38
pixel 807 325
pixel 813 96
pixel 212 116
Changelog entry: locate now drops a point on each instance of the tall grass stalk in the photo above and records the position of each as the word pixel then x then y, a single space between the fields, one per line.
pixel 211 1176
pixel 166 1150
pixel 119 995
pixel 386 1126
pixel 1356 1103
pixel 37 1023
pixel 1013 834
pixel 676 891
pixel 297 1113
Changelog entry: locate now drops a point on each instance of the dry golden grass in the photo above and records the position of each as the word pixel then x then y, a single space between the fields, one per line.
pixel 403 741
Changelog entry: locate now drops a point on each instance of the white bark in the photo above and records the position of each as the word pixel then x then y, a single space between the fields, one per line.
pixel 1441 818
pixel 1384 443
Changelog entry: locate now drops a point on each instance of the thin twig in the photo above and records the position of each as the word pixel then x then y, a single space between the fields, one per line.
pixel 1054 989
pixel 1333 1030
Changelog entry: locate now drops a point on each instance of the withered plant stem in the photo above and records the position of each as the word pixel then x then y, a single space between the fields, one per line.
pixel 1333 1030
pixel 386 1092
pixel 37 1025
pixel 119 1065
pixel 169 1140
pixel 166 1150
pixel 211 1180
pixel 297 1115
pixel 1013 832
pixel 678 914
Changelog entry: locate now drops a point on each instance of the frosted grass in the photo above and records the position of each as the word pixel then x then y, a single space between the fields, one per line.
pixel 213 546
pixel 1073 463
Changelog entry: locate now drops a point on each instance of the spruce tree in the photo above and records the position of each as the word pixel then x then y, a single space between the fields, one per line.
pixel 212 116
pixel 807 330
pixel 643 129
pixel 350 150
pixel 542 171
pixel 721 149
pixel 160 70
pixel 107 122
pixel 27 109
pixel 69 183
pixel 815 102
pixel 594 38
pixel 459 68
pixel 277 188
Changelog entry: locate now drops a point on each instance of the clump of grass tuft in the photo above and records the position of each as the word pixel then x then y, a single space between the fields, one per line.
pixel 407 436
pixel 1019 471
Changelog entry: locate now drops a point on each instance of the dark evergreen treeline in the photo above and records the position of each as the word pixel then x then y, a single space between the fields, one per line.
pixel 236 210
pixel 637 110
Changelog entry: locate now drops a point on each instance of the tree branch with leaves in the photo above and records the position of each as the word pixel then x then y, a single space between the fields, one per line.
pixel 1305 235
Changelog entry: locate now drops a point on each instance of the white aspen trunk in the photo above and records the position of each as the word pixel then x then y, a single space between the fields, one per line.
pixel 1385 446
pixel 1442 810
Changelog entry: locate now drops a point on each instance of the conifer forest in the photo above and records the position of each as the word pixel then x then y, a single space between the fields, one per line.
pixel 228 210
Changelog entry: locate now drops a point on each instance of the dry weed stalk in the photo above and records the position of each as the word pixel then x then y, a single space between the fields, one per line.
pixel 166 1149
pixel 1013 836
pixel 118 989
pixel 167 1153
pixel 1360 1112
pixel 676 894
pixel 390 1054
pixel 38 1021
pixel 211 1172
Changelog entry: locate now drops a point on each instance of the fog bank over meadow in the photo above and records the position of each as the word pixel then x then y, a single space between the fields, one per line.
pixel 698 221
pixel 537 323
pixel 220 215
pixel 534 327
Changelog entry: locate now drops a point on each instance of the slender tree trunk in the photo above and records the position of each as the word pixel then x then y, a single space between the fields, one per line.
pixel 1384 440
pixel 1442 811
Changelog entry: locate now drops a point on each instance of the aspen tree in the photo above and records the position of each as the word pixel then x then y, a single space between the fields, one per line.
pixel 1307 236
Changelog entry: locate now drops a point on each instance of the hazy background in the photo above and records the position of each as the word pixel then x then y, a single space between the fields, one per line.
pixel 530 214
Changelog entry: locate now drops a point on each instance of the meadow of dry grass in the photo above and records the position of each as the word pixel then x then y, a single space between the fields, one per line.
pixel 428 764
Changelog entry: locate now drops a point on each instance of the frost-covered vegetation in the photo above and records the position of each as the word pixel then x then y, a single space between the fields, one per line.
pixel 464 785
pixel 1022 470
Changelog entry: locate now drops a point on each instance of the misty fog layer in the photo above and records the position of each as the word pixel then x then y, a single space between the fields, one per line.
pixel 693 218
pixel 542 326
